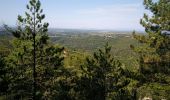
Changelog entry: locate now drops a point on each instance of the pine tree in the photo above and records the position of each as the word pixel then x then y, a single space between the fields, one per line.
pixel 102 78
pixel 35 63
pixel 154 48
pixel 4 81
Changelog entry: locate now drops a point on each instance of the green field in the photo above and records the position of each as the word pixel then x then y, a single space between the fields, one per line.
pixel 90 43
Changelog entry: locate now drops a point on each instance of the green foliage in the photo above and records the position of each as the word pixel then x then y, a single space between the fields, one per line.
pixel 4 81
pixel 102 77
pixel 75 58
pixel 5 45
pixel 33 59
pixel 154 50
pixel 31 62
pixel 91 43
pixel 155 90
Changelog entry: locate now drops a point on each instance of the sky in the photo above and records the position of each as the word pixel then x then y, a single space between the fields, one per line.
pixel 81 14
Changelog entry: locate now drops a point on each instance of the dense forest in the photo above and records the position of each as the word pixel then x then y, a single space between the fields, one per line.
pixel 36 66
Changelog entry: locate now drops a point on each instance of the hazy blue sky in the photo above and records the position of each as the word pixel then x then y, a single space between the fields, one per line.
pixel 82 14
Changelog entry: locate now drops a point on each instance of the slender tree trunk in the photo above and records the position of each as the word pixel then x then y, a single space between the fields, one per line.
pixel 34 66
pixel 34 72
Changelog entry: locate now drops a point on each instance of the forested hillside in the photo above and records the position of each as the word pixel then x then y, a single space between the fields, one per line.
pixel 36 64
